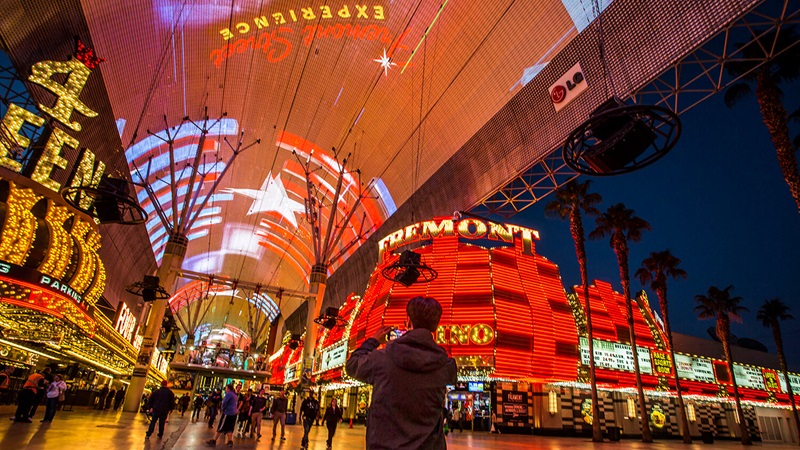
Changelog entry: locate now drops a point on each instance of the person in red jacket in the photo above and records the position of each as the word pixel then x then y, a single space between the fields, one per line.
pixel 409 378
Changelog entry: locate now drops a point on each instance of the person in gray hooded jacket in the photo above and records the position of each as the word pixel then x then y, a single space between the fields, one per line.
pixel 409 378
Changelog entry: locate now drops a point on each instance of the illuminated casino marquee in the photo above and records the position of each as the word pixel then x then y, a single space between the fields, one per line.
pixel 87 171
pixel 472 229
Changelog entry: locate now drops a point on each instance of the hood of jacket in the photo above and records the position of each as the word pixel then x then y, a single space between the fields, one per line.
pixel 416 351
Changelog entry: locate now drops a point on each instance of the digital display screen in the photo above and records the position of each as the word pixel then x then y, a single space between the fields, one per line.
pixel 476 386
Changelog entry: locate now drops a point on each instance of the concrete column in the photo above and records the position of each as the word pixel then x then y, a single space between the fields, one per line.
pixel 167 274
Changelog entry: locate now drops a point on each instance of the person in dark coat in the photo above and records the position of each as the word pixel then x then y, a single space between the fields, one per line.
pixel 110 398
pixel 309 411
pixel 101 398
pixel 333 415
pixel 118 398
pixel 197 406
pixel 183 403
pixel 409 378
pixel 214 401
pixel 159 406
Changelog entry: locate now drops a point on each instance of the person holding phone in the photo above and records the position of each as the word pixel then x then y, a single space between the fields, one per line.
pixel 409 378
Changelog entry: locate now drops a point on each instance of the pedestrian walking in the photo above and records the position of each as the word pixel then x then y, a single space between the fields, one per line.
pixel 228 422
pixel 110 398
pixel 118 398
pixel 244 412
pixel 333 415
pixel 409 378
pixel 258 405
pixel 278 411
pixel 309 410
pixel 183 403
pixel 101 399
pixel 197 406
pixel 55 394
pixel 158 407
pixel 457 420
pixel 213 406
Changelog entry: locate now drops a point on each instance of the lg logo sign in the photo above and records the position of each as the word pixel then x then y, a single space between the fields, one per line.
pixel 568 87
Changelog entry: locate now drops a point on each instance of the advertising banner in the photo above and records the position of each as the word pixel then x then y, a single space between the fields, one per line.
pixel 697 369
pixel 750 377
pixel 515 407
pixel 617 356
pixel 336 356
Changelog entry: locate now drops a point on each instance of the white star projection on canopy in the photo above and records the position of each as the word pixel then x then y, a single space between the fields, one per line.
pixel 271 197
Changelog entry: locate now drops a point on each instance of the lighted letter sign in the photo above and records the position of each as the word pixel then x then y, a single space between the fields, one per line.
pixel 479 334
pixel 771 380
pixel 126 322
pixel 77 71
pixel 747 376
pixel 697 369
pixel 568 87
pixel 334 357
pixel 661 362
pixel 465 228
pixel 614 355
pixel 794 379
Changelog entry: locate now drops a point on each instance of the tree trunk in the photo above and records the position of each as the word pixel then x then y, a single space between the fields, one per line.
pixel 777 121
pixel 662 301
pixel 776 333
pixel 576 228
pixel 724 333
pixel 621 250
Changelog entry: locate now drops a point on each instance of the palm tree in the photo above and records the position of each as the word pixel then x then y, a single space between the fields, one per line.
pixel 571 201
pixel 720 305
pixel 767 79
pixel 771 313
pixel 655 270
pixel 622 225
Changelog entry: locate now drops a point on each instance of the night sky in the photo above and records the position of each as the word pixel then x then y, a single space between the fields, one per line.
pixel 718 201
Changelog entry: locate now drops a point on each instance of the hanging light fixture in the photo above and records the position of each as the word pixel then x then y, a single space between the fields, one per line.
pixel 619 138
pixel 109 202
pixel 330 318
pixel 408 269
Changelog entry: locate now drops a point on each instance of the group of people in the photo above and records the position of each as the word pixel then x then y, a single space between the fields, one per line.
pixel 39 386
pixel 107 398
pixel 413 362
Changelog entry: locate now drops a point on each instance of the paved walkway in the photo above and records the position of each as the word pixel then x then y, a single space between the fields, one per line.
pixel 88 430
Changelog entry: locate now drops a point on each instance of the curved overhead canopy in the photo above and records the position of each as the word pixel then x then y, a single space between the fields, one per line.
pixel 399 86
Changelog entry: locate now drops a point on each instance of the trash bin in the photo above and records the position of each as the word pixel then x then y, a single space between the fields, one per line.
pixel 707 436
pixel 614 434
pixel 291 418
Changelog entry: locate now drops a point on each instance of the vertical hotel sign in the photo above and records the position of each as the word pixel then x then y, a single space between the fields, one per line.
pixel 87 171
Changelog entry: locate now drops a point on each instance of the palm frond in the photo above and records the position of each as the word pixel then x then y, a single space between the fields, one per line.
pixel 736 92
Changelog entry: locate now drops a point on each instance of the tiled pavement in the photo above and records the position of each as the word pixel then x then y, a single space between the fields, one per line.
pixel 88 429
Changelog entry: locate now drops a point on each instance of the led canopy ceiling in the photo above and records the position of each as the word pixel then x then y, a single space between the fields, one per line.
pixel 399 86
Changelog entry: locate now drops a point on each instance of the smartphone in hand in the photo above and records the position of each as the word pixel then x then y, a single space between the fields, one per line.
pixel 395 333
